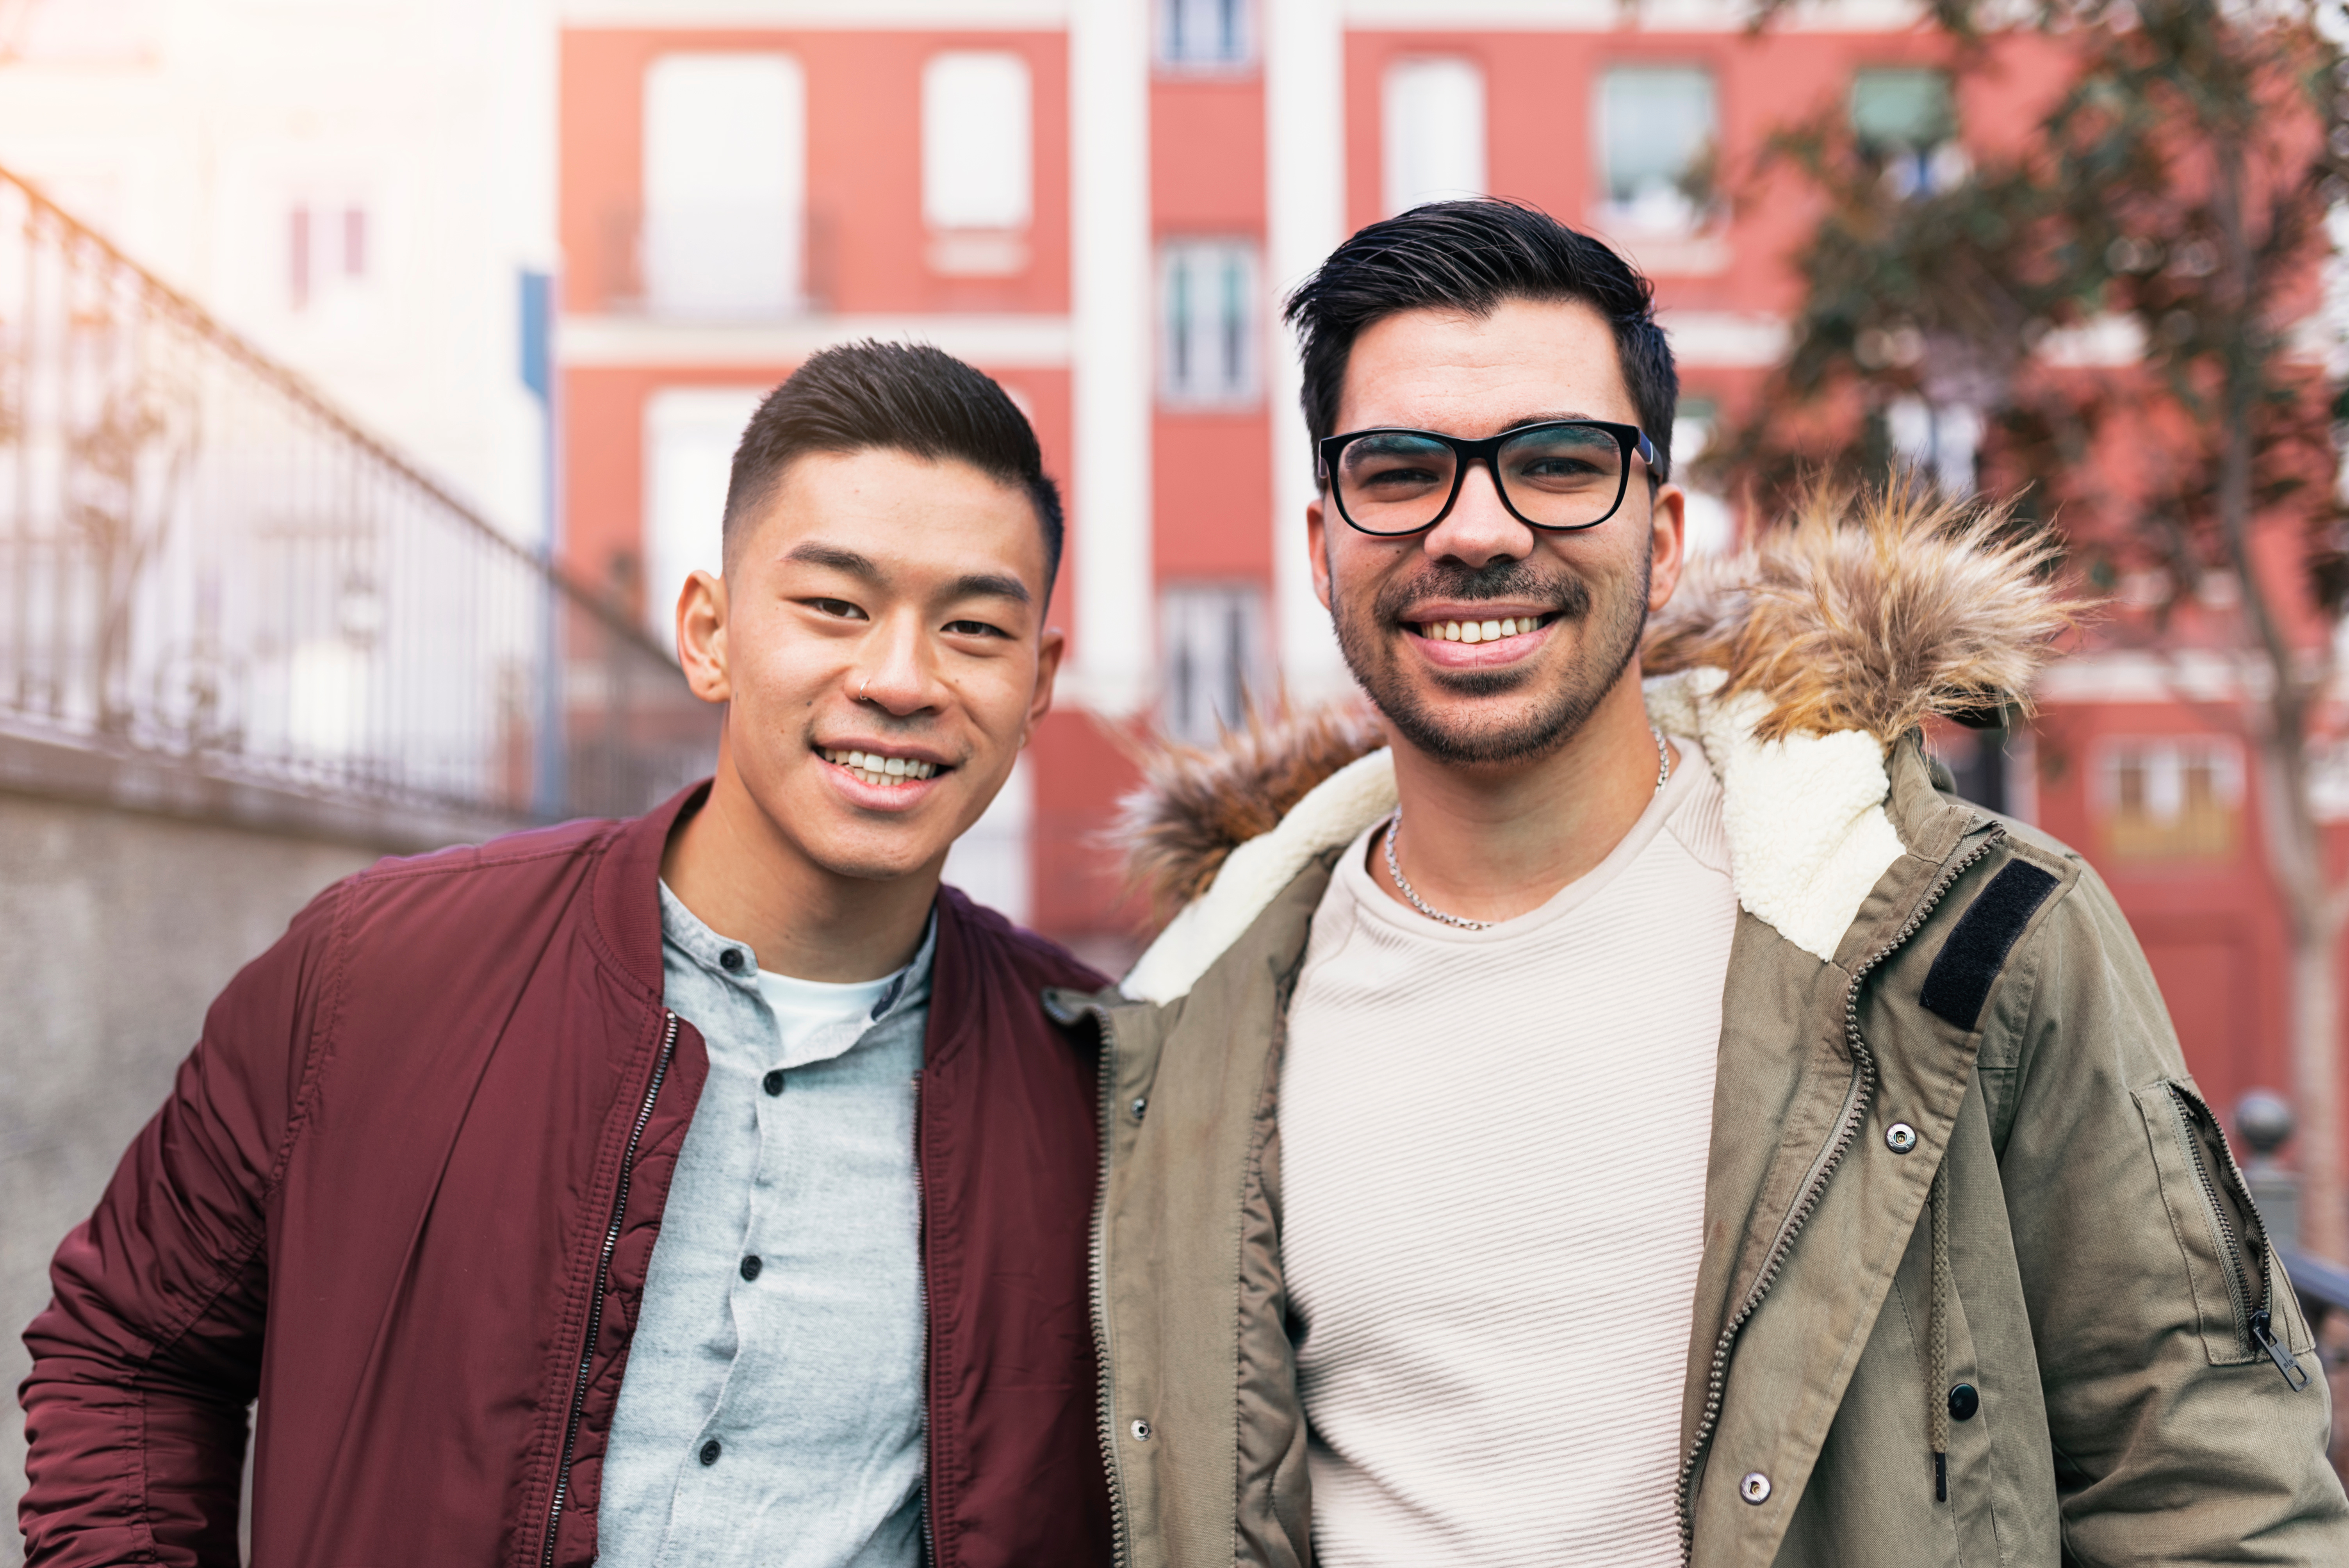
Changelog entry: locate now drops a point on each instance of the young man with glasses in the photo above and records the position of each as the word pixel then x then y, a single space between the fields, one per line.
pixel 1636 1115
pixel 704 1189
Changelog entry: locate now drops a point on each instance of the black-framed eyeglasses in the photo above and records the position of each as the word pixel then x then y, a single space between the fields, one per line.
pixel 1561 475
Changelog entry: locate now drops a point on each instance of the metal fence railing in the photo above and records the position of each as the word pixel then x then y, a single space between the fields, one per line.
pixel 204 563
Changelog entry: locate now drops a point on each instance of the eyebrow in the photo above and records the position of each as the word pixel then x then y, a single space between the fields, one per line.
pixel 991 585
pixel 970 586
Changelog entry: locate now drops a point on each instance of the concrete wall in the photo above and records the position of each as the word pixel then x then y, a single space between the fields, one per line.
pixel 117 929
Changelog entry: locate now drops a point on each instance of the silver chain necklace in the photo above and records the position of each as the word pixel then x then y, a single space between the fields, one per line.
pixel 1403 885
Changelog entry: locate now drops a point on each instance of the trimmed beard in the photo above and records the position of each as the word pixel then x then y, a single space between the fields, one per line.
pixel 1611 627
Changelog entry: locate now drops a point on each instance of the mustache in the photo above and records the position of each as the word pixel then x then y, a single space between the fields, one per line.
pixel 1569 596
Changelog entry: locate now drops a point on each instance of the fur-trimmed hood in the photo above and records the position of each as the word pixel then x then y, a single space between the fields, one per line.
pixel 1798 665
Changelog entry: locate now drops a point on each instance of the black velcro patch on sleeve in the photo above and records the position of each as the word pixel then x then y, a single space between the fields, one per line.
pixel 1960 981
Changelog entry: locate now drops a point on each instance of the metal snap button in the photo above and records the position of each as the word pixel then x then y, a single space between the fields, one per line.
pixel 1141 1104
pixel 1141 1431
pixel 1900 1138
pixel 1964 1400
pixel 1754 1488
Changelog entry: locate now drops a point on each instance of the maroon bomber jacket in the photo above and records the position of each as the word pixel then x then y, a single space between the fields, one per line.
pixel 405 1192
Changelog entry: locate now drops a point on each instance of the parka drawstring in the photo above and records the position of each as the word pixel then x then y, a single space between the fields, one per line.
pixel 1937 1375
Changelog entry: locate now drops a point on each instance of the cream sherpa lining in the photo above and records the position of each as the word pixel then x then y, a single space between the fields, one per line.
pixel 1809 836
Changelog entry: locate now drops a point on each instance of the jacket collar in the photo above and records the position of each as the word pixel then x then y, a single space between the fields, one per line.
pixel 626 900
pixel 1809 833
pixel 625 896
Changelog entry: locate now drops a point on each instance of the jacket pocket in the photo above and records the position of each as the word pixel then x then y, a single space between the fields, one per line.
pixel 2244 1316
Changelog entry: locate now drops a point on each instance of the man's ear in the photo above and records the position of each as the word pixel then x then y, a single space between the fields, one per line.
pixel 1316 540
pixel 1050 648
pixel 702 637
pixel 1667 544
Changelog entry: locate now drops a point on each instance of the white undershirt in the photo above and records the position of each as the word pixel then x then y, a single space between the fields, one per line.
pixel 1493 1162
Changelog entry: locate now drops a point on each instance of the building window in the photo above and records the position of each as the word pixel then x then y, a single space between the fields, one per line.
pixel 690 433
pixel 1938 441
pixel 991 863
pixel 1434 132
pixel 1659 126
pixel 1207 334
pixel 978 161
pixel 325 250
pixel 1977 762
pixel 725 192
pixel 2176 798
pixel 1904 120
pixel 1209 34
pixel 1214 648
pixel 1712 524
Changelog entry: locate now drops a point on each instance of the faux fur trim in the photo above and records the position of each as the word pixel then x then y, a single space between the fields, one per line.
pixel 1796 665
pixel 1253 873
pixel 1870 612
pixel 1196 805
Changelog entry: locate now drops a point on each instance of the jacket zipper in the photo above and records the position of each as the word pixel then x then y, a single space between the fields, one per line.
pixel 602 1279
pixel 1098 1260
pixel 922 1286
pixel 1855 1111
pixel 2262 1325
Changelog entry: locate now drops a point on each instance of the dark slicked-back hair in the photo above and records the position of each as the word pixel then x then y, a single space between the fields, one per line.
pixel 1470 256
pixel 909 397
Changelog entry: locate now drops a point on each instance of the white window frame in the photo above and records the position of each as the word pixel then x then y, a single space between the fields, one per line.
pixel 690 437
pixel 1169 32
pixel 326 284
pixel 1215 630
pixel 2166 758
pixel 1427 102
pixel 1237 268
pixel 1922 167
pixel 993 863
pixel 1710 523
pixel 1641 214
pixel 979 157
pixel 711 249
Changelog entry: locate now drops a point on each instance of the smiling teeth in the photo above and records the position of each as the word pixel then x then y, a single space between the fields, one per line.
pixel 1479 630
pixel 872 768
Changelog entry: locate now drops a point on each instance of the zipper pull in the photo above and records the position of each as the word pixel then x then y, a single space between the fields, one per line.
pixel 2286 1363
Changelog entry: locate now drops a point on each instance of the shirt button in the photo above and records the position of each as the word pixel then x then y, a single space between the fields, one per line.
pixel 773 1082
pixel 710 1452
pixel 730 960
pixel 1754 1488
pixel 1964 1400
pixel 751 1266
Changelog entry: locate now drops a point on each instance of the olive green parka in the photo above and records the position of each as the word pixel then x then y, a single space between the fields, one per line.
pixel 1981 1284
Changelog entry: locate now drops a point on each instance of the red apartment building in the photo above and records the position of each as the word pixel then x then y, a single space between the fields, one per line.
pixel 1099 203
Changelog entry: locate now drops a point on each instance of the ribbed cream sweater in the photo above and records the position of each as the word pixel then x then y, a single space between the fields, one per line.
pixel 1493 1160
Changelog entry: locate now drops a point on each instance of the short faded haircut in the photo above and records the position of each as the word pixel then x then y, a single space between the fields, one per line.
pixel 904 396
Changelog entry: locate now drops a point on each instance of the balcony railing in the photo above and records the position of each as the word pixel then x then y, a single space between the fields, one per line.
pixel 206 568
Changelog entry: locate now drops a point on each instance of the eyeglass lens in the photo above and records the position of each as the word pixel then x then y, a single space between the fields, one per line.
pixel 1556 476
